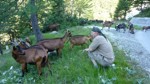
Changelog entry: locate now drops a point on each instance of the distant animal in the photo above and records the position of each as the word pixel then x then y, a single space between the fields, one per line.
pixel 54 27
pixel 79 40
pixel 83 22
pixel 131 28
pixel 55 43
pixel 107 24
pixel 145 28
pixel 121 26
pixel 34 55
pixel 95 21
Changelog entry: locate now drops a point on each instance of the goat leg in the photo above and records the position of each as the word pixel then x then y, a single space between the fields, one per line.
pixel 38 64
pixel 23 69
pixel 48 65
pixel 59 52
pixel 71 46
pixel 26 67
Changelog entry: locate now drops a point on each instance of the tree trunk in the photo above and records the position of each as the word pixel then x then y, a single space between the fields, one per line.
pixel 34 23
pixel 125 13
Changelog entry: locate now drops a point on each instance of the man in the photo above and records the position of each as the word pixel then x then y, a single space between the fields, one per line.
pixel 100 50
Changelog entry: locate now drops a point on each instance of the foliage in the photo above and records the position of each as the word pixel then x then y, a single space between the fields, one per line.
pixel 8 17
pixel 80 8
pixel 122 9
pixel 15 18
pixel 144 13
pixel 65 16
pixel 141 4
pixel 104 9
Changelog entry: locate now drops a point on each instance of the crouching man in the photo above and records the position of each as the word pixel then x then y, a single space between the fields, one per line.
pixel 100 50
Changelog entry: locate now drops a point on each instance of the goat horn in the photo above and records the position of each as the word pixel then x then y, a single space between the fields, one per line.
pixel 12 43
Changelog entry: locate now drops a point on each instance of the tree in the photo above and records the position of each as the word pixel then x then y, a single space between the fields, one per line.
pixel 34 22
pixel 122 9
pixel 78 7
pixel 141 4
pixel 8 18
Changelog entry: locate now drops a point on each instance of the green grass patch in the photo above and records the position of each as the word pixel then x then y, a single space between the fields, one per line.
pixel 137 27
pixel 74 67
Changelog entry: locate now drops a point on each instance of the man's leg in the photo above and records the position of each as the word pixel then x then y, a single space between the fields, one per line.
pixel 91 56
pixel 98 59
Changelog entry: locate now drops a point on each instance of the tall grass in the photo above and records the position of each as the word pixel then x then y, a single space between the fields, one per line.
pixel 74 67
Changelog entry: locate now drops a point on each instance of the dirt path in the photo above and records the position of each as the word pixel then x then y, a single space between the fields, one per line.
pixel 135 45
pixel 144 39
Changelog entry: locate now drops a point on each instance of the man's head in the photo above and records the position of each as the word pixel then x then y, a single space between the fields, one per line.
pixel 95 31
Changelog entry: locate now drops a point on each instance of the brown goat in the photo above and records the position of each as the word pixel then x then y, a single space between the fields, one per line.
pixel 107 24
pixel 33 55
pixel 55 43
pixel 79 40
pixel 53 27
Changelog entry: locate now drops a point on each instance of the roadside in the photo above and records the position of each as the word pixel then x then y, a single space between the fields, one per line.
pixel 134 45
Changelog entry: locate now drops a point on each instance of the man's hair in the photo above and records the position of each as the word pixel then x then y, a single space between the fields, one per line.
pixel 96 29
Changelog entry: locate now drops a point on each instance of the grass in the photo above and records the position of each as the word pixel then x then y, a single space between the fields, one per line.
pixel 74 67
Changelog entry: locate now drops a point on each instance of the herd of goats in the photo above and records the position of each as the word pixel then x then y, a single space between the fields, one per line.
pixel 37 54
pixel 123 26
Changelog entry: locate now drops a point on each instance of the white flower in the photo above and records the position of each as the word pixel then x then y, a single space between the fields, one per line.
pixel 11 68
pixel 103 81
pixel 113 65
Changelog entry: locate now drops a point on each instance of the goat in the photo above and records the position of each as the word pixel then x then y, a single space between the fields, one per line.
pixel 107 24
pixel 145 28
pixel 79 40
pixel 55 43
pixel 121 26
pixel 33 55
pixel 53 27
